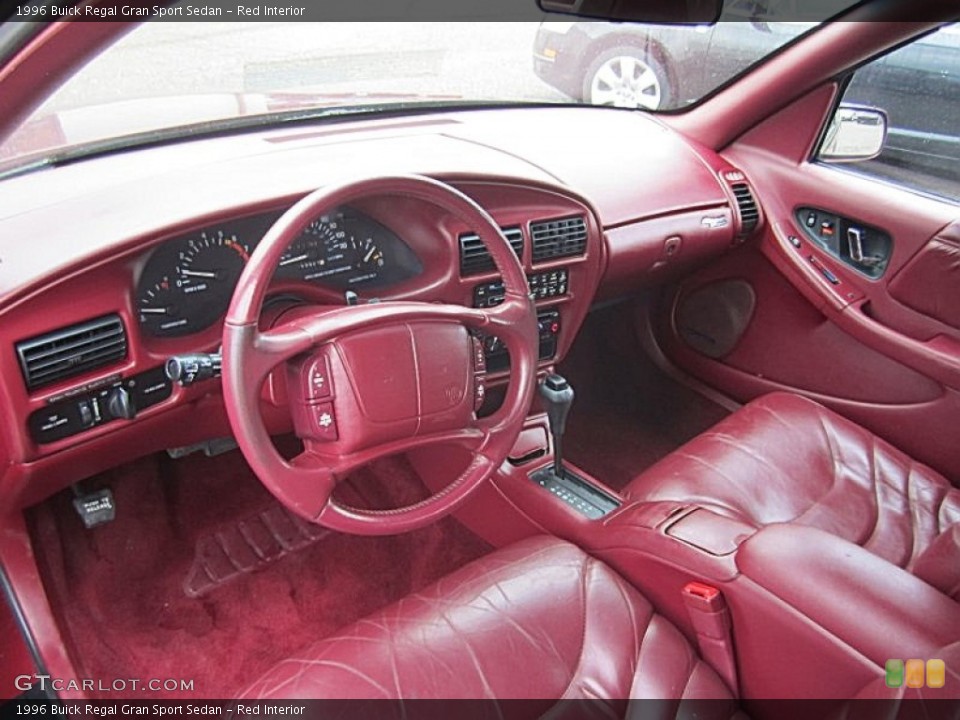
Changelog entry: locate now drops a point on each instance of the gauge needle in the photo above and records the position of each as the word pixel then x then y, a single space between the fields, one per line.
pixel 369 254
pixel 291 261
pixel 199 274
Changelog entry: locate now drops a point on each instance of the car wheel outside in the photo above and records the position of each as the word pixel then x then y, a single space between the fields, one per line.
pixel 626 77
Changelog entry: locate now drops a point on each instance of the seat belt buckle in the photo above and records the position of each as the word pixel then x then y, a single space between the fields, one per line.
pixel 707 610
pixel 710 617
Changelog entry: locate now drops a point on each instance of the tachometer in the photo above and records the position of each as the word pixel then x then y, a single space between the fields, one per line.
pixel 187 284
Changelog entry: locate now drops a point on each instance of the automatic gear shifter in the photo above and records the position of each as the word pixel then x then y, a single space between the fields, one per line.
pixel 557 396
pixel 577 492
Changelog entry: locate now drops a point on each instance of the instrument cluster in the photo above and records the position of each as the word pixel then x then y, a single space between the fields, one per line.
pixel 188 281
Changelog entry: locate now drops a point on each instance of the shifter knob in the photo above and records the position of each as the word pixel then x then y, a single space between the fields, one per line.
pixel 557 396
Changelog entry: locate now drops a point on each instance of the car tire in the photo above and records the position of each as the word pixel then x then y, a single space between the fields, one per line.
pixel 626 77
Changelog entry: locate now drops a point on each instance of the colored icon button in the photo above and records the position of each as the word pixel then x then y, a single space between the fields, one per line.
pixel 894 673
pixel 936 673
pixel 914 673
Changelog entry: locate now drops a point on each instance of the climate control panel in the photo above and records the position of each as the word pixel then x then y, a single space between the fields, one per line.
pixel 543 286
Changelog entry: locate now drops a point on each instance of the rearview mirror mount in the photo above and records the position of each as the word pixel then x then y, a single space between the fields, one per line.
pixel 702 12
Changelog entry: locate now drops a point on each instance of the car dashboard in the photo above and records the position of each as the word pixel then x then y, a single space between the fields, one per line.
pixel 134 257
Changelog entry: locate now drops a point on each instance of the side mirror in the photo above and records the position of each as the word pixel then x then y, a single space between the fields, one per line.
pixel 855 133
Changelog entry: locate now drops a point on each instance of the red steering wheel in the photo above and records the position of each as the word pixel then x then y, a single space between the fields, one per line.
pixel 373 380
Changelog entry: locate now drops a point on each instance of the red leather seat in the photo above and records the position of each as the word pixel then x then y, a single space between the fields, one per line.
pixel 784 458
pixel 539 619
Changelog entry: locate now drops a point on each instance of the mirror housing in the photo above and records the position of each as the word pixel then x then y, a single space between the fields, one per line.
pixel 855 133
pixel 702 12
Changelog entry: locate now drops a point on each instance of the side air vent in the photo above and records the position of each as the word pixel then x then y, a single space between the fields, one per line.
pixel 77 349
pixel 749 211
pixel 558 238
pixel 474 257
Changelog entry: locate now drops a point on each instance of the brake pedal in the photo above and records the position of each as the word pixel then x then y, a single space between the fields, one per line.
pixel 94 508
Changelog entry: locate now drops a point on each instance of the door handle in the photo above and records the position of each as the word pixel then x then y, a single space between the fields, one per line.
pixel 855 246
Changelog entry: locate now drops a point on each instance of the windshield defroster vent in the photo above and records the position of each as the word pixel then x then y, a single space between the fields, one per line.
pixel 70 351
pixel 749 211
pixel 560 238
pixel 474 256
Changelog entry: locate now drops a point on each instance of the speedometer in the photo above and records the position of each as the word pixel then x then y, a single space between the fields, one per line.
pixel 322 252
pixel 346 249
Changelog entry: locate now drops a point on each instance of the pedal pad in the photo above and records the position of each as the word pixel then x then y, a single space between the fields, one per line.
pixel 96 508
pixel 210 448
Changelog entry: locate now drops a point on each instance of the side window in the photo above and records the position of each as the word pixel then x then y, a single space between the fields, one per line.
pixel 918 87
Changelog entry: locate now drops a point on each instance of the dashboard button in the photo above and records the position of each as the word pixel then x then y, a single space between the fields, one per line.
pixel 325 421
pixel 86 413
pixel 120 405
pixel 317 379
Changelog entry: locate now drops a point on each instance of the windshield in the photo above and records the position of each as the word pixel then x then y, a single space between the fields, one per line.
pixel 170 75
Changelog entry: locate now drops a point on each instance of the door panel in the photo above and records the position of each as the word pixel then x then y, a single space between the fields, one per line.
pixel 791 343
pixel 885 352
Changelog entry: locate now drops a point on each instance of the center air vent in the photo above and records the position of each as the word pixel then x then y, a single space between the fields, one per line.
pixel 74 350
pixel 474 256
pixel 749 211
pixel 558 238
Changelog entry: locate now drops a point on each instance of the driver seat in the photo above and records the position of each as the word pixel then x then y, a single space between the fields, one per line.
pixel 538 619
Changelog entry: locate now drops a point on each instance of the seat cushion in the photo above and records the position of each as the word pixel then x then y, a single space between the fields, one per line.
pixel 784 458
pixel 539 619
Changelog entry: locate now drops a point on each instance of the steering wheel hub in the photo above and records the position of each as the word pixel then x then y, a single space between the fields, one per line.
pixel 384 385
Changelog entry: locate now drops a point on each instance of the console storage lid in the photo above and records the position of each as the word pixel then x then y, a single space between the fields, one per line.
pixel 869 603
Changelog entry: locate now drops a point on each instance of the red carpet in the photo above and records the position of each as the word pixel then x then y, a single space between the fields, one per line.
pixel 118 589
pixel 627 413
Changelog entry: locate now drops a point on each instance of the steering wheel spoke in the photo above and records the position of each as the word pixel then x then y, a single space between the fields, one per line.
pixel 269 349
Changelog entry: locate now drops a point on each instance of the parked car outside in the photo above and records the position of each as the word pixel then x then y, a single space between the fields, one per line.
pixel 666 67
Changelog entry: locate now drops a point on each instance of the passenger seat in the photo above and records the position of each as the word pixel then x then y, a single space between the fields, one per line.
pixel 784 458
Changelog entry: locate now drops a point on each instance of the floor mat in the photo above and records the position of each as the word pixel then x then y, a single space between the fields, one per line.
pixel 118 590
pixel 627 413
pixel 247 545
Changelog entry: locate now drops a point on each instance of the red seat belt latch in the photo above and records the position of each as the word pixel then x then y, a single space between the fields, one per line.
pixel 710 618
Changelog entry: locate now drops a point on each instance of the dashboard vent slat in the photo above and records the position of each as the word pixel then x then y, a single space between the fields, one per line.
pixel 564 237
pixel 474 257
pixel 749 211
pixel 71 351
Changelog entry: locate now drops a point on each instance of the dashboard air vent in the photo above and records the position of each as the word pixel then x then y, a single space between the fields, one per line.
pixel 474 257
pixel 749 211
pixel 70 351
pixel 558 238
